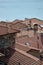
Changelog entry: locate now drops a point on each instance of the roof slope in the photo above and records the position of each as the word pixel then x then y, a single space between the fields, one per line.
pixel 33 21
pixel 18 25
pixel 5 30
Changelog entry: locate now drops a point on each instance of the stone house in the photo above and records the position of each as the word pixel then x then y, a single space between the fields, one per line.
pixel 7 40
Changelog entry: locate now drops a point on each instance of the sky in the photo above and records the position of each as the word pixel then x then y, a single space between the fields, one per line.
pixel 20 9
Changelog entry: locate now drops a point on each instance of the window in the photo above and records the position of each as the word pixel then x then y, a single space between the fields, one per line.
pixel 38 37
pixel 41 34
pixel 35 27
pixel 42 38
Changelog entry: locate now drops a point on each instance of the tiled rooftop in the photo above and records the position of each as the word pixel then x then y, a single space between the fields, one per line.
pixel 6 30
pixel 20 56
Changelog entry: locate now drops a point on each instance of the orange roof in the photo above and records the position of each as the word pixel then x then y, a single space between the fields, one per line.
pixel 6 30
pixel 11 30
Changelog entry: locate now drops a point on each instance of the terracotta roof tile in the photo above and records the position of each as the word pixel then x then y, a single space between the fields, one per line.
pixel 6 30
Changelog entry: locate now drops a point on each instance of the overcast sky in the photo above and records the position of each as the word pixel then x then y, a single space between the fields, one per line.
pixel 20 9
